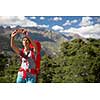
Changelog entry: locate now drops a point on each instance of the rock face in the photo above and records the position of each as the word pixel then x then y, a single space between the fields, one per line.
pixel 1 29
pixel 50 40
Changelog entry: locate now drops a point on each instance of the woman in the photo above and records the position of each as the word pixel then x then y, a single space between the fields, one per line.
pixel 27 72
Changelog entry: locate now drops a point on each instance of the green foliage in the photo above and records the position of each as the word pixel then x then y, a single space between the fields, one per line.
pixel 46 72
pixel 10 75
pixel 8 70
pixel 78 62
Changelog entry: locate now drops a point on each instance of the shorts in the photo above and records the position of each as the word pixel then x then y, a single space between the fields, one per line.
pixel 29 79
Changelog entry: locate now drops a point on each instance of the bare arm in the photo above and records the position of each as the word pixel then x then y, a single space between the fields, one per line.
pixel 13 43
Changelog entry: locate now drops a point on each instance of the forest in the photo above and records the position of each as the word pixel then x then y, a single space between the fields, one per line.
pixel 78 61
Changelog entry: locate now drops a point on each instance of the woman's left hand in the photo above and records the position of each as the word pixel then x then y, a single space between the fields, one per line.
pixel 25 32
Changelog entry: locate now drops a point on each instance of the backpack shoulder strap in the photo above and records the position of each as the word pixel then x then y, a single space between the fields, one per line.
pixel 38 56
pixel 32 53
pixel 22 52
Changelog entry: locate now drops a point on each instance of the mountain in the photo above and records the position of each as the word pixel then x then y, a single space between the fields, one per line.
pixel 1 29
pixel 49 40
pixel 72 36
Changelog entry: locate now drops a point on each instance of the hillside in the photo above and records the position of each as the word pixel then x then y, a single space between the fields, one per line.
pixel 77 62
pixel 50 40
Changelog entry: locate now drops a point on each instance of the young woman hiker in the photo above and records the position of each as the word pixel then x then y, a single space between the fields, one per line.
pixel 27 71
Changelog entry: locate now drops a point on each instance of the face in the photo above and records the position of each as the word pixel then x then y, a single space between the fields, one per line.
pixel 26 42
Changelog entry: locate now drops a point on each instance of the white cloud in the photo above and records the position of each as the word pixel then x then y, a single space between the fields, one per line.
pixel 86 21
pixel 74 21
pixel 12 26
pixel 56 27
pixel 33 17
pixel 98 19
pixel 57 19
pixel 42 18
pixel 68 22
pixel 92 31
pixel 16 20
pixel 44 26
pixel 20 17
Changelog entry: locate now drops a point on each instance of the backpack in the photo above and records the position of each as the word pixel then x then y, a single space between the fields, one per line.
pixel 38 57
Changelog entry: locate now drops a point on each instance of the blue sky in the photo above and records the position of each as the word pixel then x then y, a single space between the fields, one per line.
pixel 85 26
pixel 64 21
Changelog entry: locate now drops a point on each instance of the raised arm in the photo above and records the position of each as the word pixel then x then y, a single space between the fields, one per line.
pixel 13 43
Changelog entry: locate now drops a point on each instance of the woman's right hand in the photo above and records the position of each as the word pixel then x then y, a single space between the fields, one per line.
pixel 23 31
pixel 14 33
